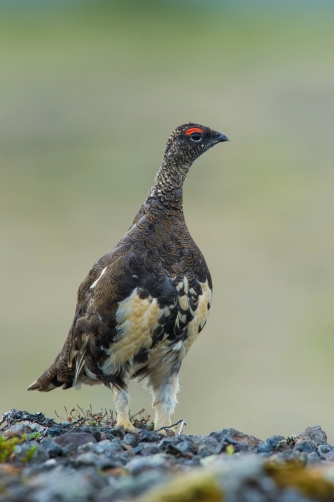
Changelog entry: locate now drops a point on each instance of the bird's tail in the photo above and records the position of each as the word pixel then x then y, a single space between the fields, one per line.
pixel 59 374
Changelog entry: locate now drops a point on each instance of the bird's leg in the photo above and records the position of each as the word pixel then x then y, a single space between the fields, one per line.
pixel 164 397
pixel 121 400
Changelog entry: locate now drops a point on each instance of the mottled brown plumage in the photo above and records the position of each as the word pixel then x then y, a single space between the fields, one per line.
pixel 143 304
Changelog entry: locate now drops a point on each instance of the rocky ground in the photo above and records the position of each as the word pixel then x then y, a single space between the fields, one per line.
pixel 88 459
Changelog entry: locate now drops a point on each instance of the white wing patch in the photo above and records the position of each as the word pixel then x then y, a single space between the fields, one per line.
pixel 97 280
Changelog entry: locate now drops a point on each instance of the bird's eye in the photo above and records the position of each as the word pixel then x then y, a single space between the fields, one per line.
pixel 196 136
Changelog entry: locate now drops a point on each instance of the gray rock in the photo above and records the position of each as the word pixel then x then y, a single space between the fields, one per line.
pixel 227 441
pixel 106 447
pixel 129 487
pixel 208 441
pixel 203 451
pixel 326 452
pixel 75 440
pixel 131 439
pixel 305 446
pixel 174 440
pixel 146 449
pixel 315 434
pixel 138 465
pixel 312 458
pixel 206 445
pixel 270 444
pixel 52 431
pixel 65 485
pixel 117 432
pixel 50 464
pixel 149 436
pixel 98 461
pixel 181 448
pixel 239 437
pixel 53 449
pixel 17 430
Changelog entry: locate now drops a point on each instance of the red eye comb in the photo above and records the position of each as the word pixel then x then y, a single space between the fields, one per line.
pixel 192 130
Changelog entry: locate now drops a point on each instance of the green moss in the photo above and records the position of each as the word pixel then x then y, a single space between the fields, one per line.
pixel 34 435
pixel 193 487
pixel 7 446
pixel 309 481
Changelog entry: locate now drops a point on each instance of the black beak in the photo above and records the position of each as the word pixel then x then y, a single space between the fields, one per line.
pixel 222 138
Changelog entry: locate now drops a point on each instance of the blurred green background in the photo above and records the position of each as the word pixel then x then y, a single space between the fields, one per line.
pixel 89 93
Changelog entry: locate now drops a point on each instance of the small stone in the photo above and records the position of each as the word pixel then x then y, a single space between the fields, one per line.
pixel 53 449
pixel 36 427
pixel 107 435
pixel 228 441
pixel 166 441
pixel 142 464
pixel 146 449
pixel 17 430
pixel 182 448
pixel 131 439
pixel 270 444
pixel 117 432
pixel 75 440
pixel 98 461
pixel 129 488
pixel 305 446
pixel 312 458
pixel 203 451
pixel 206 445
pixel 239 437
pixel 208 441
pixel 149 436
pixel 107 447
pixel 315 434
pixel 326 452
pixel 187 447
pixel 52 431
pixel 50 464
pixel 65 484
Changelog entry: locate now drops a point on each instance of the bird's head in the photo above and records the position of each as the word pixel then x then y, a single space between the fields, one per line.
pixel 188 141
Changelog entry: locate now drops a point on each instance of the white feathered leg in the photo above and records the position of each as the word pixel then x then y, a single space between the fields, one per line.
pixel 121 400
pixel 164 397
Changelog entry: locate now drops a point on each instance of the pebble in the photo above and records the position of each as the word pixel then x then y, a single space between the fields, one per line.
pixel 315 434
pixel 305 446
pixel 98 461
pixel 270 444
pixel 52 447
pixel 18 430
pixel 75 440
pixel 131 439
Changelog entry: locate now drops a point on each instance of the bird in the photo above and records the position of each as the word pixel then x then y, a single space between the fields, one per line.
pixel 144 303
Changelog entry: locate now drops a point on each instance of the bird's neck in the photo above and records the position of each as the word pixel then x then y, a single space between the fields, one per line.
pixel 169 181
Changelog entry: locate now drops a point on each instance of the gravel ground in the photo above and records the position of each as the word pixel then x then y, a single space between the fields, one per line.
pixel 44 461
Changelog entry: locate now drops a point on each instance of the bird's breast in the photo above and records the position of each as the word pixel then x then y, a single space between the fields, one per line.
pixel 149 328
